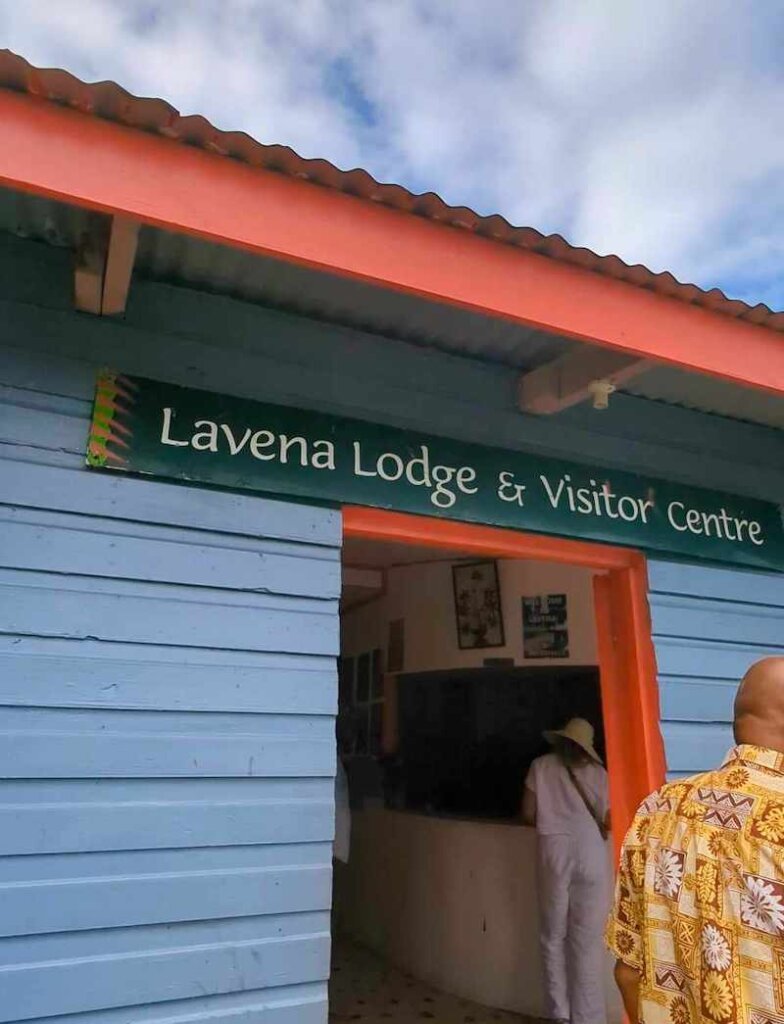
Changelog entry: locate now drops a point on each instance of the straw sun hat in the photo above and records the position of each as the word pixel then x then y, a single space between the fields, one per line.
pixel 578 731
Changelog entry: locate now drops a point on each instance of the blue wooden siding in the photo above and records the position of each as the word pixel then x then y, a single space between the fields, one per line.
pixel 709 626
pixel 167 693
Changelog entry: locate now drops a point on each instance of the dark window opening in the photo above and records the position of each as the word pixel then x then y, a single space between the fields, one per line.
pixel 468 737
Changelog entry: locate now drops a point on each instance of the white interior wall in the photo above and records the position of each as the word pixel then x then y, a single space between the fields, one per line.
pixel 422 595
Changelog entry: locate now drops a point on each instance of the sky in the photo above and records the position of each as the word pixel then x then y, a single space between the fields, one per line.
pixel 652 129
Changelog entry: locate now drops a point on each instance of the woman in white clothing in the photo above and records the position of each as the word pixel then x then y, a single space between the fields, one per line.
pixel 566 798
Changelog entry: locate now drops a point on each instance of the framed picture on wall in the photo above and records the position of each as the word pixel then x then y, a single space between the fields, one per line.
pixel 478 612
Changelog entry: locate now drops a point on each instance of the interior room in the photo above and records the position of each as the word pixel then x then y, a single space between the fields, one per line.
pixel 452 666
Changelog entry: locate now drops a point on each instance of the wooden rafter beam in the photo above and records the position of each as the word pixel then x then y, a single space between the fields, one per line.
pixel 104 265
pixel 576 377
pixel 120 257
pixel 88 275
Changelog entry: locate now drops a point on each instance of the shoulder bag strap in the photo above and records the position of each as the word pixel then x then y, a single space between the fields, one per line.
pixel 589 806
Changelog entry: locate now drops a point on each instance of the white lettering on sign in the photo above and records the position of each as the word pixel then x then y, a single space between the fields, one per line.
pixel 262 439
pixel 209 436
pixel 509 490
pixel 166 437
pixel 415 466
pixel 596 500
pixel 419 472
pixel 714 524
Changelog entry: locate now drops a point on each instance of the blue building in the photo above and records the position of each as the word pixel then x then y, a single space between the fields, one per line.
pixel 221 365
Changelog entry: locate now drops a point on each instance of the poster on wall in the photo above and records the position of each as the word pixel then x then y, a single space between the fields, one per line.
pixel 545 629
pixel 478 605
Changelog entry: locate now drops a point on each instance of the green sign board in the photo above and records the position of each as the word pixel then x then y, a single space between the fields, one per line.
pixel 144 426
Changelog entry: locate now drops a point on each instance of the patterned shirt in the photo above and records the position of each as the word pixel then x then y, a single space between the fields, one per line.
pixel 699 901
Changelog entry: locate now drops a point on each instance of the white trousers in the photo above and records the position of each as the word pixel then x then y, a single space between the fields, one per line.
pixel 573 885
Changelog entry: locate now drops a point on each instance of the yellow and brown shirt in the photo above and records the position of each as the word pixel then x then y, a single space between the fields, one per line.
pixel 699 901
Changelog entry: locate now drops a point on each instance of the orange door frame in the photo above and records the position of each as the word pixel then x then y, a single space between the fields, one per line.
pixel 630 698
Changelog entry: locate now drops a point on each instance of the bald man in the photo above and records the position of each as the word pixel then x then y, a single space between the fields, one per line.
pixel 697 926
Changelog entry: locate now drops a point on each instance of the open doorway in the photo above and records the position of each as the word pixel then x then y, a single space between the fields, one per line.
pixel 446 701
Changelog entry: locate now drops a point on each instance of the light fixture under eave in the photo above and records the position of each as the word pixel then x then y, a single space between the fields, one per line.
pixel 600 391
pixel 576 376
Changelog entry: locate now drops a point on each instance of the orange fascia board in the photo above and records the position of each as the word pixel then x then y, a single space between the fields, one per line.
pixel 71 156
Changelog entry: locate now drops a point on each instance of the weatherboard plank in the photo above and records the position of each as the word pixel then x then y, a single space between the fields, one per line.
pixel 80 904
pixel 138 500
pixel 101 980
pixel 717 584
pixel 68 817
pixel 73 545
pixel 116 613
pixel 705 618
pixel 121 675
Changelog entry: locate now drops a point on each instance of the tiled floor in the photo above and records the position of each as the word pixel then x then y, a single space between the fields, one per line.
pixel 365 988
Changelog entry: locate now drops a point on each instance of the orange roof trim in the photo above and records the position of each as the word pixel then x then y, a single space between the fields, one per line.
pixel 111 102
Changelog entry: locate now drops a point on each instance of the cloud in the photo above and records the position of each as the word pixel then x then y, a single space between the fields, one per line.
pixel 648 130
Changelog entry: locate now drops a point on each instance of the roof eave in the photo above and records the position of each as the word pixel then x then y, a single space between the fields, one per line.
pixel 80 159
